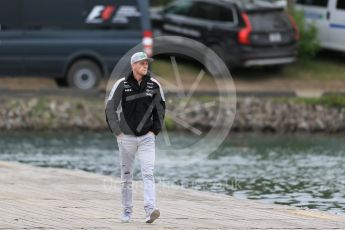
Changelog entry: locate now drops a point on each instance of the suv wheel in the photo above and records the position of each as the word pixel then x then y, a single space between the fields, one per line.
pixel 275 68
pixel 210 65
pixel 84 74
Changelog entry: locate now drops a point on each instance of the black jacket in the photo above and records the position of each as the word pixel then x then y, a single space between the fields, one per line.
pixel 135 109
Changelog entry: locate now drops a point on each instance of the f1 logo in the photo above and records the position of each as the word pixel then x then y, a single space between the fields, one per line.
pixel 100 14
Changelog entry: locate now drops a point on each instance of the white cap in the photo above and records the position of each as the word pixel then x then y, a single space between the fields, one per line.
pixel 139 56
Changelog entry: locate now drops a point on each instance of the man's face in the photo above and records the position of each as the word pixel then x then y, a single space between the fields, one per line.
pixel 140 67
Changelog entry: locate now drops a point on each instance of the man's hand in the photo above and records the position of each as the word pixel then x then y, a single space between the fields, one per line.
pixel 152 133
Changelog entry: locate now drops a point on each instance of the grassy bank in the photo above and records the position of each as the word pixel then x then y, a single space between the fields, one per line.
pixel 318 69
pixel 327 66
pixel 331 101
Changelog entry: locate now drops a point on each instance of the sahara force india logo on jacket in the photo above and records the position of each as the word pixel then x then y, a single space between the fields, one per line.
pixel 102 13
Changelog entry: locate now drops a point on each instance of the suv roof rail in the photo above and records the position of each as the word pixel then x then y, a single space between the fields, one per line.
pixel 254 4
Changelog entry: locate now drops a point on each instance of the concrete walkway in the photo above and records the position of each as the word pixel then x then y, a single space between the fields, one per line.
pixel 49 198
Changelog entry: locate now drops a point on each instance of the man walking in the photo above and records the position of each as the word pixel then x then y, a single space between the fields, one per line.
pixel 135 112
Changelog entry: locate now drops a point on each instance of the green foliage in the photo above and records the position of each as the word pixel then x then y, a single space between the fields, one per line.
pixel 159 2
pixel 334 100
pixel 309 44
pixel 169 123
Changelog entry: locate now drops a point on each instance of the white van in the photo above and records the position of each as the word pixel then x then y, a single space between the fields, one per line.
pixel 329 18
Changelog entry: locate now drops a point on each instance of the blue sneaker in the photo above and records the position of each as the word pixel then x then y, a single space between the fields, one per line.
pixel 126 216
pixel 152 215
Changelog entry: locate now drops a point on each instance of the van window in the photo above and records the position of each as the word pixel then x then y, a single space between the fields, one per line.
pixel 119 14
pixel 7 10
pixel 341 5
pixel 179 8
pixel 62 15
pixel 211 12
pixel 321 3
pixel 47 14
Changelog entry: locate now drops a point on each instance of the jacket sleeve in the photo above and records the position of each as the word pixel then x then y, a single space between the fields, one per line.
pixel 158 112
pixel 113 102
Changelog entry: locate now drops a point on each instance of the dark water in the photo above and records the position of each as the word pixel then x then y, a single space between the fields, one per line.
pixel 303 171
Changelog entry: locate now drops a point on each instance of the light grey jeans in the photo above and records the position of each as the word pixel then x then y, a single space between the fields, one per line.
pixel 144 146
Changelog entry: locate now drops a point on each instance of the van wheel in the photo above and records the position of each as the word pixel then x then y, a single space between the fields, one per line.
pixel 209 63
pixel 84 74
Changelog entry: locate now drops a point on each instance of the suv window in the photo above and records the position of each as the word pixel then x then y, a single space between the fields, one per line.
pixel 179 8
pixel 269 20
pixel 204 10
pixel 321 3
pixel 341 5
pixel 226 15
pixel 213 12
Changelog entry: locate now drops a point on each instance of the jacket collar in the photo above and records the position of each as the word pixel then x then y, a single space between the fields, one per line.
pixel 134 83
